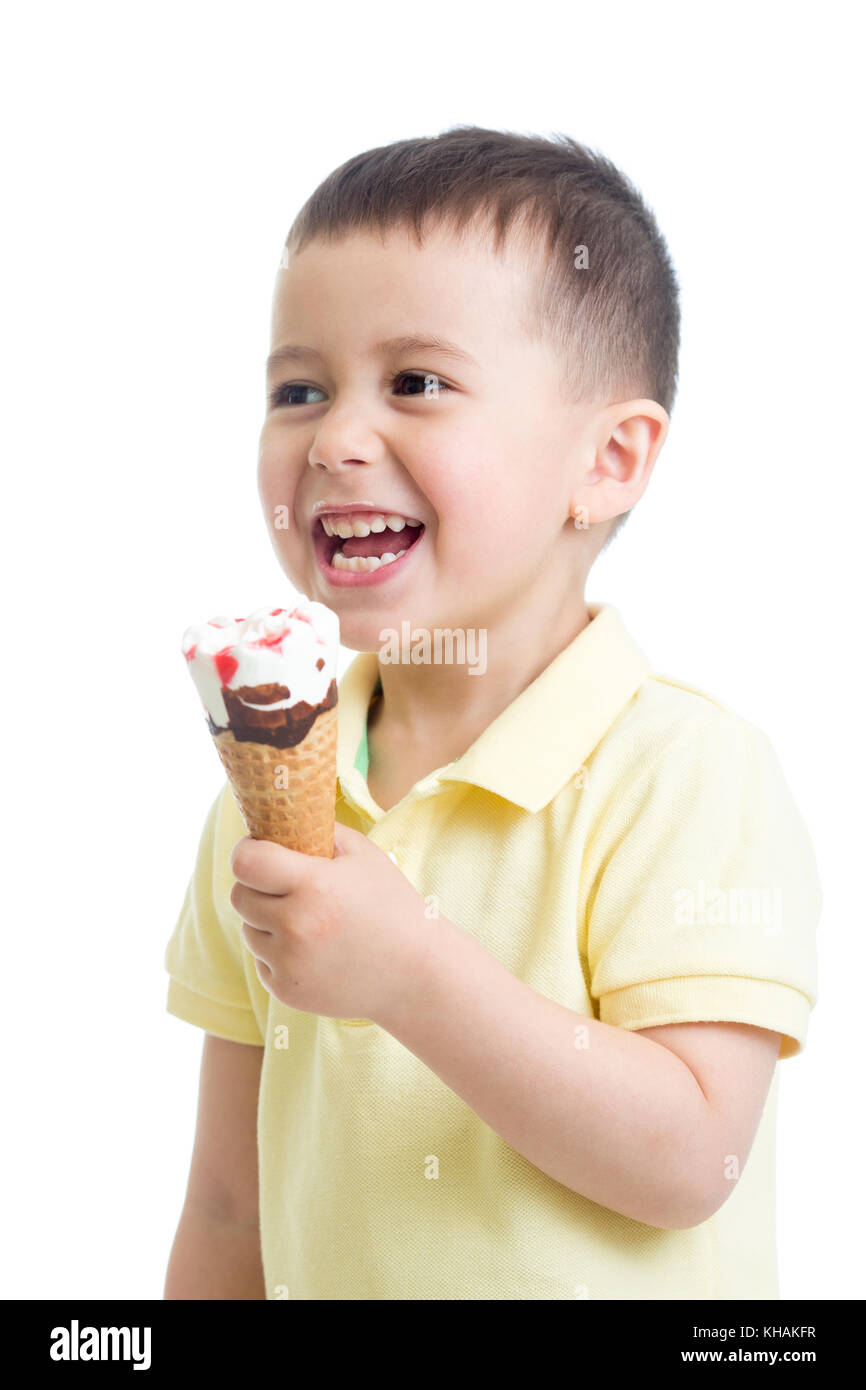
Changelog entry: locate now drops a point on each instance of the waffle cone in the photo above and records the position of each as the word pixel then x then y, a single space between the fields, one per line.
pixel 287 794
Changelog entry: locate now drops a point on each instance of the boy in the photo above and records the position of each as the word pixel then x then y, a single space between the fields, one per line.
pixel 518 1039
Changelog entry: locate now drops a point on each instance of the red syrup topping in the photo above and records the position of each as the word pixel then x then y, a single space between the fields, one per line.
pixel 191 653
pixel 226 665
pixel 274 640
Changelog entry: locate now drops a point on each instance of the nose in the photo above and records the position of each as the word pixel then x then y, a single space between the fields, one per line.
pixel 336 466
pixel 341 442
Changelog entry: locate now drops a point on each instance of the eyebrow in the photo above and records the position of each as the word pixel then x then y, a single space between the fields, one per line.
pixel 409 343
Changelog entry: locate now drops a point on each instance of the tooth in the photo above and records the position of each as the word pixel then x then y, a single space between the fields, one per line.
pixel 343 529
pixel 358 564
pixel 327 527
pixel 395 523
pixel 413 521
pixel 377 523
pixel 364 564
pixel 360 528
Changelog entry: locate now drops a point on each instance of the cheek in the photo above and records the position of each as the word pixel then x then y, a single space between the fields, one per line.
pixel 277 486
pixel 458 475
pixel 485 494
pixel 277 482
pixel 272 472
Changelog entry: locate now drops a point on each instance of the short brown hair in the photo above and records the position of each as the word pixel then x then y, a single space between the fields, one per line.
pixel 615 322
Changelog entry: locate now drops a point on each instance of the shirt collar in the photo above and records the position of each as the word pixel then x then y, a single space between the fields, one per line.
pixel 543 737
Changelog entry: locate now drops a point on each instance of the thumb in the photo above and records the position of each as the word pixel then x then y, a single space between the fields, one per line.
pixel 347 840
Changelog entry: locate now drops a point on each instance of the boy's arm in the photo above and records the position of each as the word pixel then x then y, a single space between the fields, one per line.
pixel 733 1064
pixel 217 1250
pixel 638 1124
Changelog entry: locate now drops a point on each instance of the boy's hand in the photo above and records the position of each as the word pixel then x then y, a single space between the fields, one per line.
pixel 342 937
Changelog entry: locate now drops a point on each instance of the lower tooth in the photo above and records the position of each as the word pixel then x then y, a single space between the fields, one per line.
pixel 358 564
pixel 363 564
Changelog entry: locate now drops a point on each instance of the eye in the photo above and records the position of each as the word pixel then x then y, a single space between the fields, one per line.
pixel 428 384
pixel 283 394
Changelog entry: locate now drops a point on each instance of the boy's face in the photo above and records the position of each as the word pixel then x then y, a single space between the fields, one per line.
pixel 483 452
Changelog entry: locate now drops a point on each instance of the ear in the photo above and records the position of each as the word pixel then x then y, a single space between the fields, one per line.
pixel 628 441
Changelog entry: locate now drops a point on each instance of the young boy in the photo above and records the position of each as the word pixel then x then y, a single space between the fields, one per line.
pixel 518 1039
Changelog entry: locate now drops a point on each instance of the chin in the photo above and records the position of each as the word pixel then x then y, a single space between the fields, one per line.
pixel 361 633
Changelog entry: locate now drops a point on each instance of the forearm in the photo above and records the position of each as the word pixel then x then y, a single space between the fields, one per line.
pixel 214 1259
pixel 609 1114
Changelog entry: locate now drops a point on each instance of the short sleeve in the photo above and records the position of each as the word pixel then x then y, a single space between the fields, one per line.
pixel 706 904
pixel 213 982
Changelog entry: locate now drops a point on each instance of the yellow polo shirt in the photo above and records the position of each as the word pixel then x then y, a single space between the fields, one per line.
pixel 627 846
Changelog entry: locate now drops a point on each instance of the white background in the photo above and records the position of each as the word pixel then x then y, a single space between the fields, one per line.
pixel 155 159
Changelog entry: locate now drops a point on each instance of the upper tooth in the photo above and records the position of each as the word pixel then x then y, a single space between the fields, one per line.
pixel 345 526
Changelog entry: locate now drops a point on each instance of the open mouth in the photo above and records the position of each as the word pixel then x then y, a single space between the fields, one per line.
pixel 363 542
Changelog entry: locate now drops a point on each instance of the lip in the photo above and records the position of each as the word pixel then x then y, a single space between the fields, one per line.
pixel 347 579
pixel 326 509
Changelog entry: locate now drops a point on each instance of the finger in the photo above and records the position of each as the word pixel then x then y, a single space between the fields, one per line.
pixel 268 867
pixel 262 910
pixel 264 970
pixel 256 940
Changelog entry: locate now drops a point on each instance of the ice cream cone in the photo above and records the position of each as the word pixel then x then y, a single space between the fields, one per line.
pixel 268 685
pixel 287 794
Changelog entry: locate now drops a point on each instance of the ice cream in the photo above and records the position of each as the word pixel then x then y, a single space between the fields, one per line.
pixel 268 685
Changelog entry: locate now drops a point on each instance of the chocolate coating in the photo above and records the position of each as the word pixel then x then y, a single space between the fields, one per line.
pixel 281 728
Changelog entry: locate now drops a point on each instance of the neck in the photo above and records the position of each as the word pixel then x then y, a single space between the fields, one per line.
pixel 449 705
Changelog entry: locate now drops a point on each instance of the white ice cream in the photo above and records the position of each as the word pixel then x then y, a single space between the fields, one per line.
pixel 281 646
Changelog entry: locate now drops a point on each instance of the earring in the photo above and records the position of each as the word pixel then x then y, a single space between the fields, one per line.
pixel 580 516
